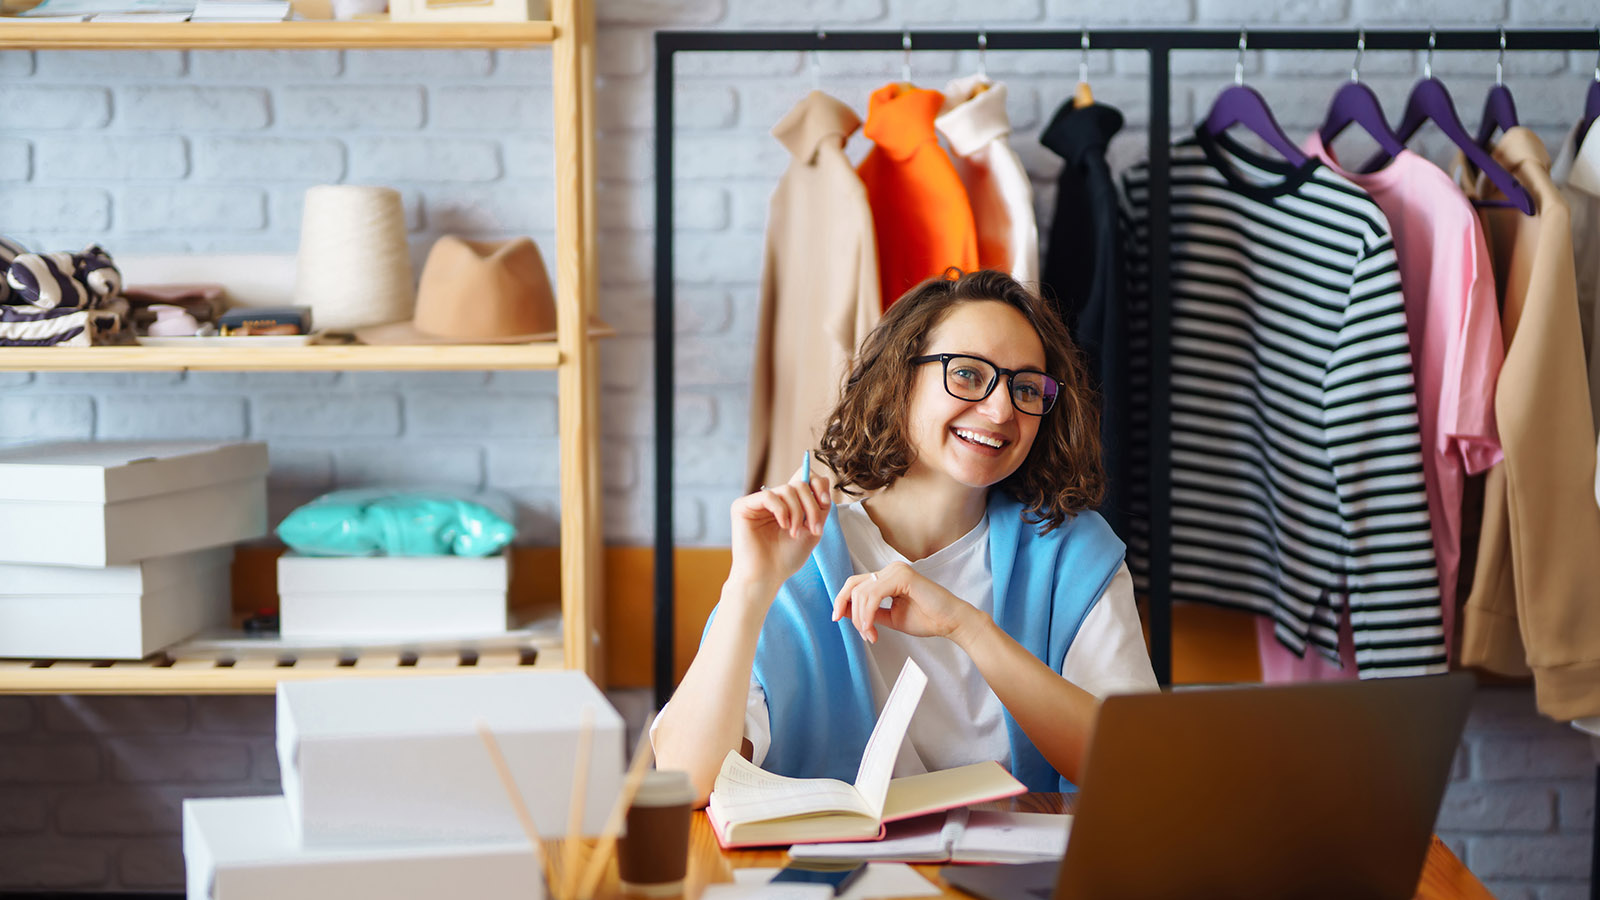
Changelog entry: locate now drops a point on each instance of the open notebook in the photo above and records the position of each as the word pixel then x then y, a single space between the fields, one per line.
pixel 750 806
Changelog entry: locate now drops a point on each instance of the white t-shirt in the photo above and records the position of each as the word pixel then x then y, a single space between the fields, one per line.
pixel 960 720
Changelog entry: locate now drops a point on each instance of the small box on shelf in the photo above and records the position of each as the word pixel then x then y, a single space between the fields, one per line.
pixel 398 597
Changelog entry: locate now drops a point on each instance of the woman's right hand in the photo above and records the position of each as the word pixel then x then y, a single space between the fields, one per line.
pixel 775 529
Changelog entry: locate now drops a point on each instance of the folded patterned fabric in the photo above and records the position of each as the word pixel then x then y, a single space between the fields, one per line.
pixel 38 291
pixel 50 328
pixel 9 250
pixel 46 281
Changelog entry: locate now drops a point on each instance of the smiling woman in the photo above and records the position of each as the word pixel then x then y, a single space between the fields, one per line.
pixel 967 426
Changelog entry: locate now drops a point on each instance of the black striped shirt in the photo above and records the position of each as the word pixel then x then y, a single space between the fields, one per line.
pixel 1297 483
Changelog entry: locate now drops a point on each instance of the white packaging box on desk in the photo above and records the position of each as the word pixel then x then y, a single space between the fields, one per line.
pixel 400 760
pixel 105 504
pixel 391 597
pixel 242 848
pixel 116 612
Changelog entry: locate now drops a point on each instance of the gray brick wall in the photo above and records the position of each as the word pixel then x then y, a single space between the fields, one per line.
pixel 211 152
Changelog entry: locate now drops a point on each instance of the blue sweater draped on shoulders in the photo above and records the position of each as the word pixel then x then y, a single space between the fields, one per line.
pixel 815 671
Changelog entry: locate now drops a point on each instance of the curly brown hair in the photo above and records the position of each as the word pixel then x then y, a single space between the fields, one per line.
pixel 865 440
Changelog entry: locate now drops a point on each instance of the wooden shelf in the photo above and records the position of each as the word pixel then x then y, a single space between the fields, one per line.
pixel 223 674
pixel 575 640
pixel 279 359
pixel 25 34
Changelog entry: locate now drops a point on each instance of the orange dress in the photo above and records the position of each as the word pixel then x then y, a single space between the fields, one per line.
pixel 920 212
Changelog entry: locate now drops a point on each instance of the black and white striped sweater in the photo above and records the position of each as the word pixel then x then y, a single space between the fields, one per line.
pixel 1297 483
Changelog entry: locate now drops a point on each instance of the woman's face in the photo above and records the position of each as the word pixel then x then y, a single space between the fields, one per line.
pixel 979 443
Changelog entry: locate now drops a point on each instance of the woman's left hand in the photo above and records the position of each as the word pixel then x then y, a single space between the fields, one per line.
pixel 918 606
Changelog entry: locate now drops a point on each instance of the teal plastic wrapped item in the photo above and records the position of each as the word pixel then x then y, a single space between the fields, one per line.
pixel 390 522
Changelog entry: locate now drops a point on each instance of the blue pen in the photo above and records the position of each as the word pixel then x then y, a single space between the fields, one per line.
pixel 805 470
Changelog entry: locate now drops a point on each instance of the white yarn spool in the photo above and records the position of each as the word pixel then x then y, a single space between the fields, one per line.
pixel 354 268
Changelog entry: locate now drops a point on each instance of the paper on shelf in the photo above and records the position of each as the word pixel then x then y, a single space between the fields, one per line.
pixel 108 7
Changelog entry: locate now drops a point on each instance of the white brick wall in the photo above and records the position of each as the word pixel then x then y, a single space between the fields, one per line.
pixel 211 152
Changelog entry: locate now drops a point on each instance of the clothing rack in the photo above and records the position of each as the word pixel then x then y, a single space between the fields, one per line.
pixel 1159 44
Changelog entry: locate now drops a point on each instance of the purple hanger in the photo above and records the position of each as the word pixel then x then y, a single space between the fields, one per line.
pixel 1355 103
pixel 1499 114
pixel 1499 111
pixel 1241 105
pixel 1591 108
pixel 1591 104
pixel 1431 101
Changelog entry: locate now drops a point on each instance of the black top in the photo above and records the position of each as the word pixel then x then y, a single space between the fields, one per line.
pixel 1083 279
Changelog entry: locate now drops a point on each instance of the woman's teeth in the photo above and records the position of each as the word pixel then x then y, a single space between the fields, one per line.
pixel 977 438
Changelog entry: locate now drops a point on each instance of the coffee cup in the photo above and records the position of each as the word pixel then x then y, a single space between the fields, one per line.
pixel 653 857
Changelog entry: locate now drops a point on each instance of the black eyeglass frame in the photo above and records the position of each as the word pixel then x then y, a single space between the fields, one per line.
pixel 944 360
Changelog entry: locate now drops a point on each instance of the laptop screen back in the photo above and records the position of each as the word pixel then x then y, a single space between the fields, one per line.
pixel 1320 790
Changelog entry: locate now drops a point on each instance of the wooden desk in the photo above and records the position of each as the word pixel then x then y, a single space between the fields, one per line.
pixel 1443 875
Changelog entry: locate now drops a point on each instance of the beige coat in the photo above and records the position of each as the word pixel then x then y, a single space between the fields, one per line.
pixel 1577 171
pixel 819 288
pixel 1535 603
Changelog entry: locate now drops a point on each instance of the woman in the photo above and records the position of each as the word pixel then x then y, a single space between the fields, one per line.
pixel 967 423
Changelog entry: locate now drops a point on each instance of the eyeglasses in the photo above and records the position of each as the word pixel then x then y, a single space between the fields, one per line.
pixel 973 378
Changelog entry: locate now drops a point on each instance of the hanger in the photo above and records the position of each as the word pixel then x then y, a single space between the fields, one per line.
pixel 816 61
pixel 905 61
pixel 1241 105
pixel 1355 103
pixel 1591 103
pixel 1083 97
pixel 1499 112
pixel 983 62
pixel 1431 101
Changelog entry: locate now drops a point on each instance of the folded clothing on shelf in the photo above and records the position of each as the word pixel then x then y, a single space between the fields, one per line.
pixel 59 299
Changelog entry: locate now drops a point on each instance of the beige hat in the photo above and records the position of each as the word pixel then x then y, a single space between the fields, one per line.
pixel 477 292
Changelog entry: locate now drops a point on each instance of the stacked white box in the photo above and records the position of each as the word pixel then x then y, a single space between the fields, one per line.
pixel 115 612
pixel 243 848
pixel 391 597
pixel 115 550
pixel 390 792
pixel 105 504
pixel 401 761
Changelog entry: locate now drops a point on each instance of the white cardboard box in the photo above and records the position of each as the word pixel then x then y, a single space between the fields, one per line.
pixel 116 612
pixel 242 848
pixel 103 504
pixel 399 760
pixel 399 597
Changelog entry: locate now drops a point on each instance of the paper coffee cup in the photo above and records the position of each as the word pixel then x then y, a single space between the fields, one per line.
pixel 653 857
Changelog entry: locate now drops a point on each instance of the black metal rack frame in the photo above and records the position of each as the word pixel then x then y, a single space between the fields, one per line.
pixel 1159 44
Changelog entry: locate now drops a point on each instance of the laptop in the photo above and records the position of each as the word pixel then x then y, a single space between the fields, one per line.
pixel 1326 790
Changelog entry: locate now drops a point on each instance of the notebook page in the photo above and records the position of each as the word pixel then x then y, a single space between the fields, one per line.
pixel 883 747
pixel 744 791
pixel 992 835
pixel 928 838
